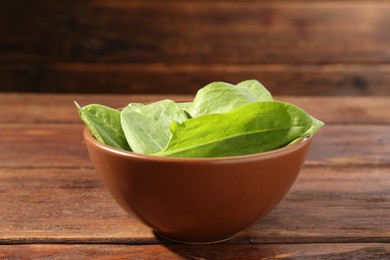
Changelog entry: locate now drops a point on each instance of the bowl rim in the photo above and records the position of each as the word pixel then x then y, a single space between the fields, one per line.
pixel 257 156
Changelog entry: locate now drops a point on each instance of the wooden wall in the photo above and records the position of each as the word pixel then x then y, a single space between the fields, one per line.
pixel 116 46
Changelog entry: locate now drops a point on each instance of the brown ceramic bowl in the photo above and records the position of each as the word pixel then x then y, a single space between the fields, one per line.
pixel 201 200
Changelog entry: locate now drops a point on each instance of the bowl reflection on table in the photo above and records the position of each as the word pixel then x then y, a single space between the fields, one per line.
pixel 197 200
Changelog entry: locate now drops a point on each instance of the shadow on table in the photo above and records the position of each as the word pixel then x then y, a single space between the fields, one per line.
pixel 231 249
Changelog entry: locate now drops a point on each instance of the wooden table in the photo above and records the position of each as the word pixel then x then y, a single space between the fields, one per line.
pixel 52 203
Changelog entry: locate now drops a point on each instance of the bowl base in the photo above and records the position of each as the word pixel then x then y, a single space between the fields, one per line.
pixel 194 242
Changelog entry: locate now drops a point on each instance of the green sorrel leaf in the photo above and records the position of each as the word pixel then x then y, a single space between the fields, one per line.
pixel 185 106
pixel 104 124
pixel 257 90
pixel 252 128
pixel 146 127
pixel 221 97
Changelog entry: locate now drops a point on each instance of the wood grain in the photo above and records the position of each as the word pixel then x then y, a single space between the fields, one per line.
pixel 325 205
pixel 43 146
pixel 61 145
pixel 53 204
pixel 294 47
pixel 196 32
pixel 183 78
pixel 302 251
pixel 59 108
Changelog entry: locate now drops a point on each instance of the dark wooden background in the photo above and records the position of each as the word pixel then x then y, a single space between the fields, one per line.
pixel 293 47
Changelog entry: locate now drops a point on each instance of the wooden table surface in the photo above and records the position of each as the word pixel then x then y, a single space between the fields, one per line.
pixel 53 204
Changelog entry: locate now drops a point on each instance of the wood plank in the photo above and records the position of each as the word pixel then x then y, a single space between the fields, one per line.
pixel 281 79
pixel 193 31
pixel 62 205
pixel 61 145
pixel 351 145
pixel 43 146
pixel 325 205
pixel 59 108
pixel 305 251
